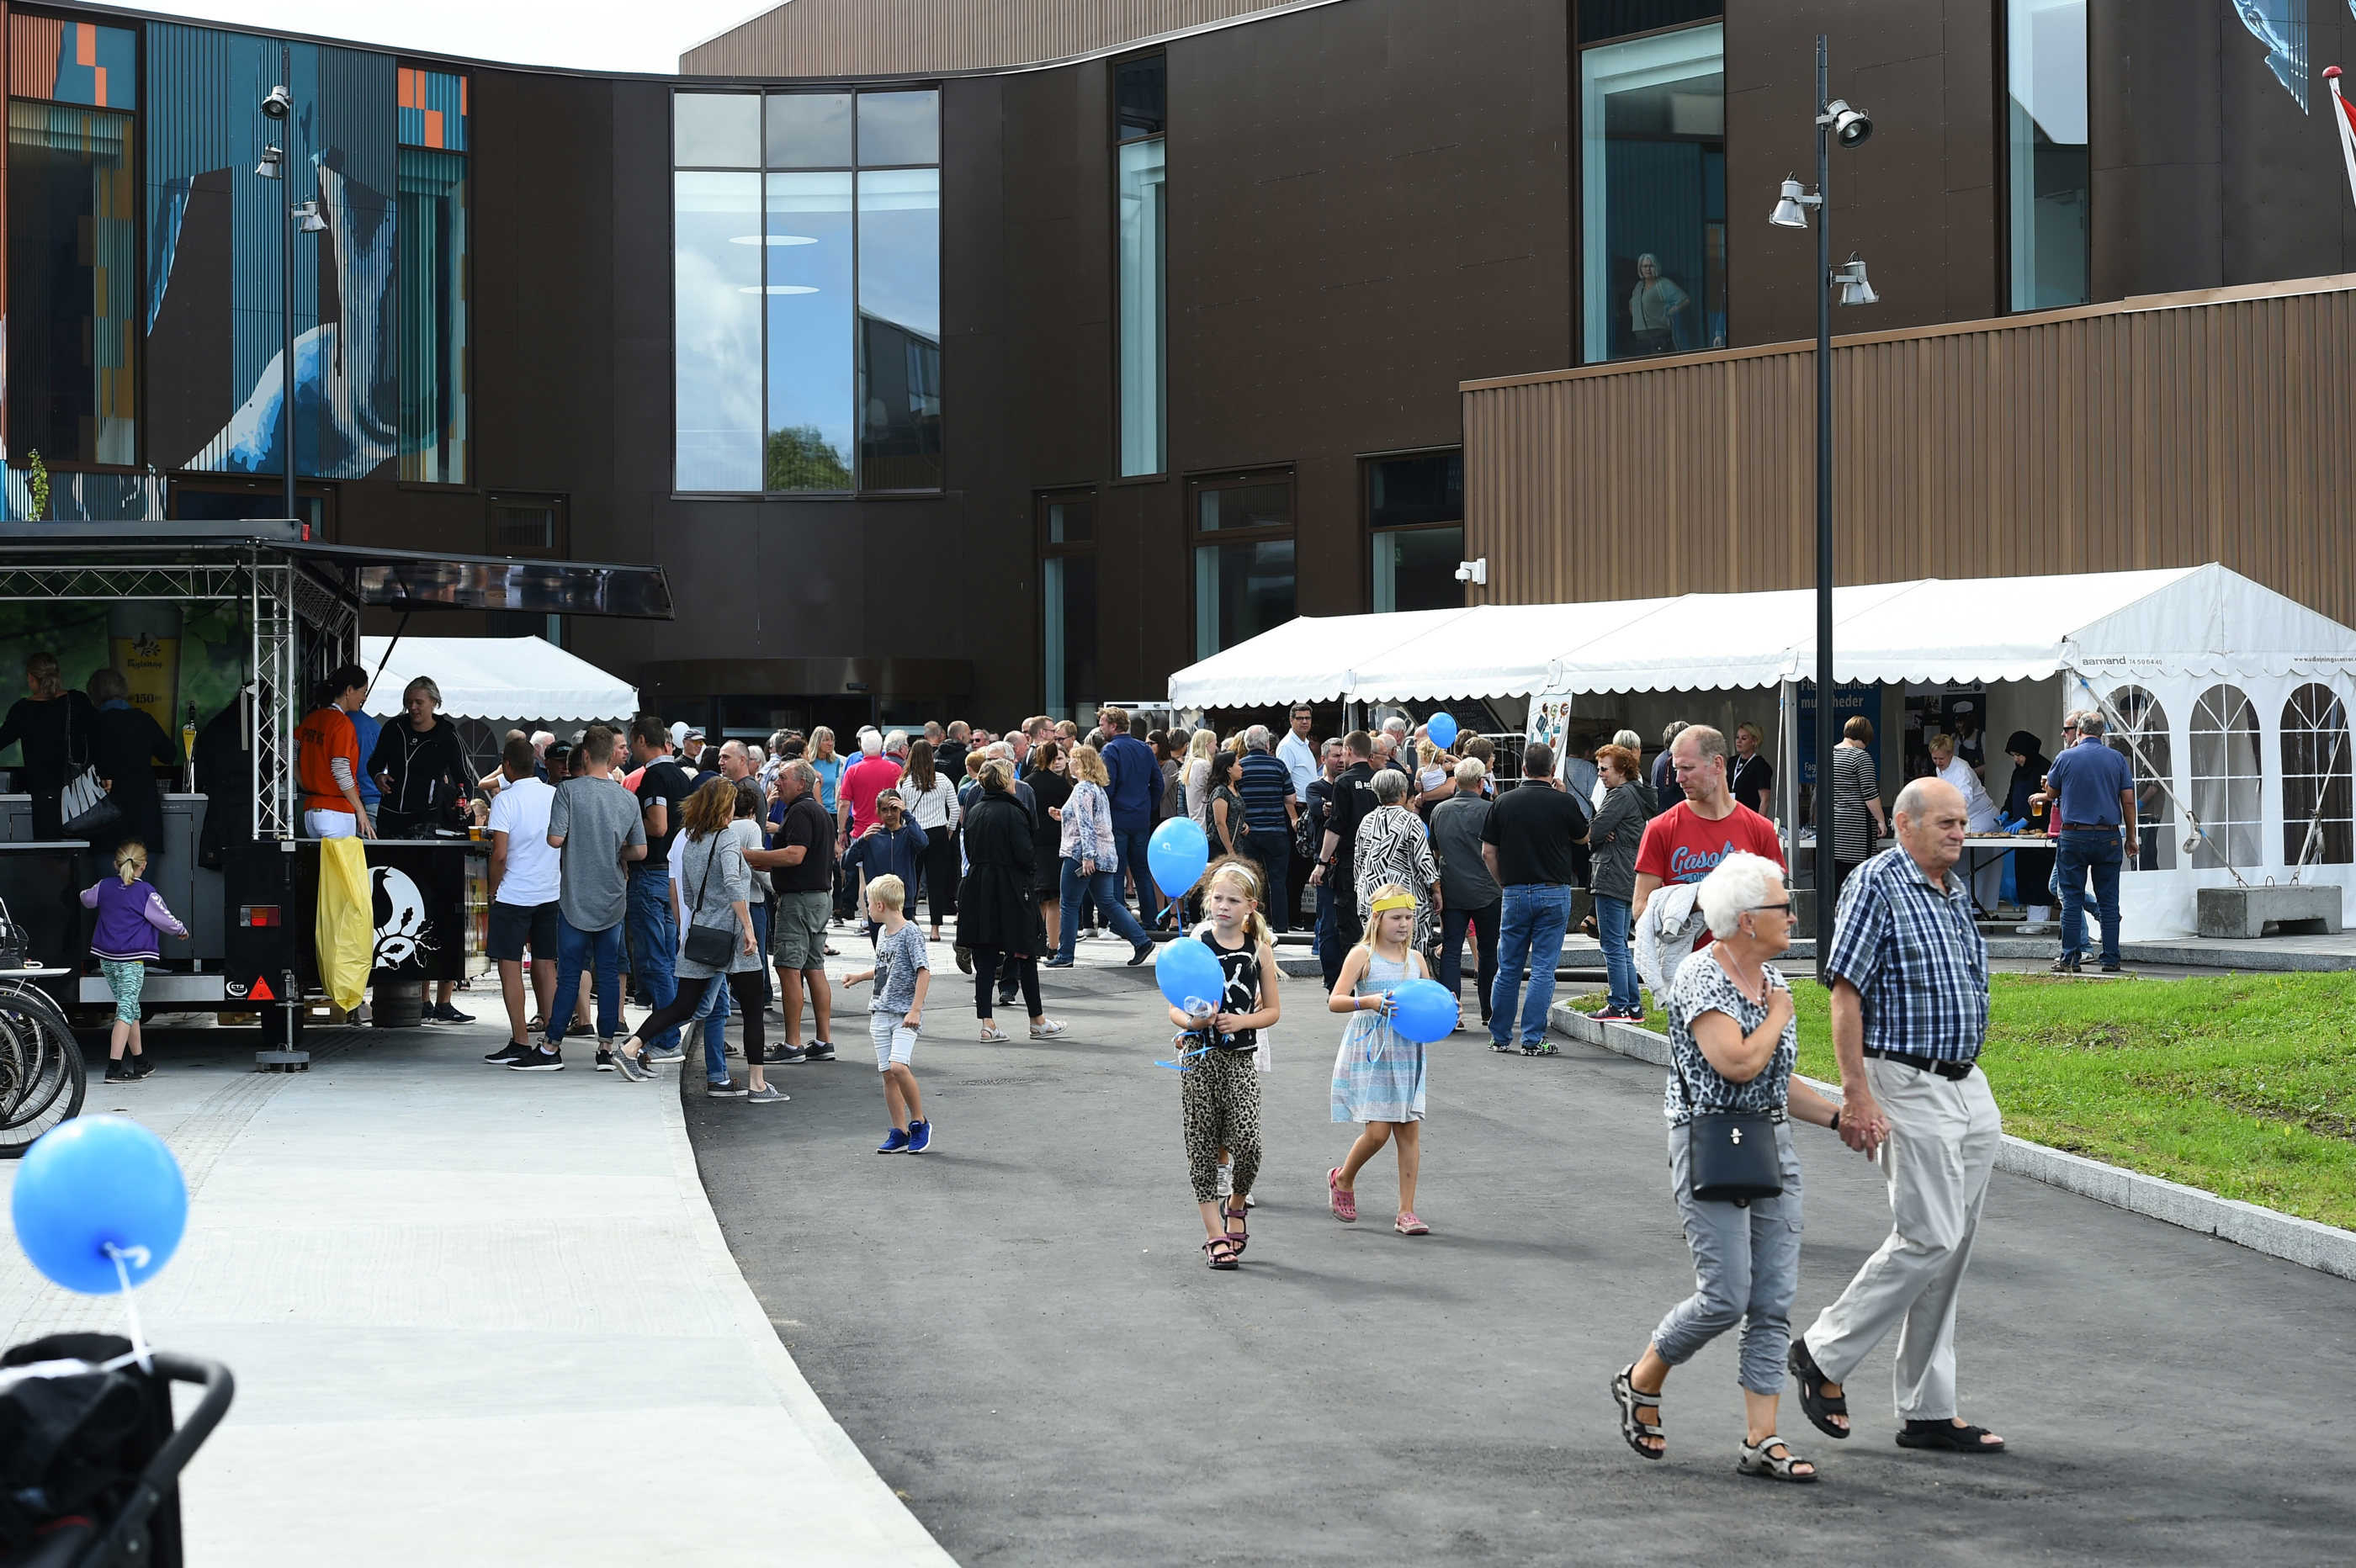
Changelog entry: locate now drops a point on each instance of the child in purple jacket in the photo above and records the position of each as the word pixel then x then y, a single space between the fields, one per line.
pixel 130 914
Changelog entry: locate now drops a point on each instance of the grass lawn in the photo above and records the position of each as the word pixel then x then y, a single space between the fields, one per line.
pixel 2240 1085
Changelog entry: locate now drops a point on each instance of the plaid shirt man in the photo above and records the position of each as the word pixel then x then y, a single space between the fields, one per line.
pixel 1918 962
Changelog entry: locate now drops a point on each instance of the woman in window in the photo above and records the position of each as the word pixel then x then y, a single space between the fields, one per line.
pixel 1658 309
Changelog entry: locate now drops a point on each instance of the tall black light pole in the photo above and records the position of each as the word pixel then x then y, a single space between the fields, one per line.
pixel 275 108
pixel 1835 122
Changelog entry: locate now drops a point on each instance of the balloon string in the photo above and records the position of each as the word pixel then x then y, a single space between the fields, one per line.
pixel 130 1308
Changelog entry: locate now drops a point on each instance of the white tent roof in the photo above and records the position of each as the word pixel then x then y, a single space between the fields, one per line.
pixel 2200 620
pixel 1307 659
pixel 496 677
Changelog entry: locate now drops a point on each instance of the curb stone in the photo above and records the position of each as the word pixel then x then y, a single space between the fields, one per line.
pixel 2307 1243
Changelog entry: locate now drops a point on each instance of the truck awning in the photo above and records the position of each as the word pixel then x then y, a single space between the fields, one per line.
pixel 398 580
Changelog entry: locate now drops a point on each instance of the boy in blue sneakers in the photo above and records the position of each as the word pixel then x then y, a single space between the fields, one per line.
pixel 901 977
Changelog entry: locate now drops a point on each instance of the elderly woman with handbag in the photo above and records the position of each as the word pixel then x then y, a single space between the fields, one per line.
pixel 1731 1096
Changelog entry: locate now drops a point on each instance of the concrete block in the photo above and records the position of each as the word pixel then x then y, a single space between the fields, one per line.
pixel 2247 912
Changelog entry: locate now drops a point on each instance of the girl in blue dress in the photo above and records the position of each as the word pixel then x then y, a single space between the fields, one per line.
pixel 1378 1071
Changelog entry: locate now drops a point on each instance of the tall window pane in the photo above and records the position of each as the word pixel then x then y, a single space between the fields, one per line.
pixel 2225 779
pixel 716 130
pixel 1142 314
pixel 810 131
pixel 432 232
pixel 899 128
pixel 2319 807
pixel 2048 164
pixel 2141 733
pixel 813 402
pixel 1070 585
pixel 716 328
pixel 1653 166
pixel 900 328
pixel 73 273
pixel 1240 591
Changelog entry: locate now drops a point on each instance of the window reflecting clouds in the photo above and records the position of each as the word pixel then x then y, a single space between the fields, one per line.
pixel 900 328
pixel 812 404
pixel 716 330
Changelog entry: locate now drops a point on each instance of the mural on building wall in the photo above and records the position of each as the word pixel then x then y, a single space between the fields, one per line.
pixel 214 324
pixel 2281 26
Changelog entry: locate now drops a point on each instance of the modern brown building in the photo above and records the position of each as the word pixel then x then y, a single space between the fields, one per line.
pixel 977 358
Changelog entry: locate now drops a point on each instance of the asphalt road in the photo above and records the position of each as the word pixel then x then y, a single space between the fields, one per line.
pixel 1019 1331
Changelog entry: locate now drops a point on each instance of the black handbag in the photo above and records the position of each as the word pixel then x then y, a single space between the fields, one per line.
pixel 712 946
pixel 1731 1154
pixel 84 808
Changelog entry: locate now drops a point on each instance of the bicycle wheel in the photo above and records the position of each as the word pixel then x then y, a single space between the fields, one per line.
pixel 50 1078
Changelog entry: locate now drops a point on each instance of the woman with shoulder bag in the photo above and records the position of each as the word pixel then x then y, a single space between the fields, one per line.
pixel 1733 1041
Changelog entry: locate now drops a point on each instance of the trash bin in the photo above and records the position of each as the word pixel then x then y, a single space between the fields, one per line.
pixel 398 1004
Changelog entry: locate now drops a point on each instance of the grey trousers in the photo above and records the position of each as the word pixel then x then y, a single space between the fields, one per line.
pixel 1944 1135
pixel 1746 1269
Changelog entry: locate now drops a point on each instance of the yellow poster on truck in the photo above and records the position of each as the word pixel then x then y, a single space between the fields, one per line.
pixel 143 643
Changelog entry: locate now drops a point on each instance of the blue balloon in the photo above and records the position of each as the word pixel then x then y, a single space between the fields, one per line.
pixel 1187 971
pixel 1423 1011
pixel 1442 731
pixel 99 1179
pixel 1176 854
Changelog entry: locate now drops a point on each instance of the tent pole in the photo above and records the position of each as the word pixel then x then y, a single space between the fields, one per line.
pixel 1787 793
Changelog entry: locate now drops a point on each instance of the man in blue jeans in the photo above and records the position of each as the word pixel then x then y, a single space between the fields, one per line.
pixel 662 791
pixel 1135 780
pixel 1526 843
pixel 2095 798
pixel 595 828
pixel 1271 808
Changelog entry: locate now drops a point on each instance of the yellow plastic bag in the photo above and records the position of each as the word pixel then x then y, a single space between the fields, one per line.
pixel 346 928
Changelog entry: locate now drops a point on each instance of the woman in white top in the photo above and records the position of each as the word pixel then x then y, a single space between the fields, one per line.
pixel 1988 878
pixel 931 799
pixel 1197 772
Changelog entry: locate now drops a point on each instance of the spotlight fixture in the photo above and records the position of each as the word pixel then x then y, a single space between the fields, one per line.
pixel 1850 126
pixel 1792 206
pixel 272 165
pixel 1849 277
pixel 307 219
pixel 279 104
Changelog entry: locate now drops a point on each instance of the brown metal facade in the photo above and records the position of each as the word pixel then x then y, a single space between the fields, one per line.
pixel 2162 431
pixel 857 37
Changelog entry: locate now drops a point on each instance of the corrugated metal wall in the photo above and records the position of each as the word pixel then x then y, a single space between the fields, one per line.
pixel 2159 431
pixel 852 38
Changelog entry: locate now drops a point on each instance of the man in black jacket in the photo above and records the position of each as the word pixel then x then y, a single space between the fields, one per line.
pixel 1353 796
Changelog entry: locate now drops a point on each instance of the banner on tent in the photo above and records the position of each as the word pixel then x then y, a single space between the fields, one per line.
pixel 1850 698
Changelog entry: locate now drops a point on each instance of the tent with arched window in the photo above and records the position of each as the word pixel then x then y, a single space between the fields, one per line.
pixel 2231 700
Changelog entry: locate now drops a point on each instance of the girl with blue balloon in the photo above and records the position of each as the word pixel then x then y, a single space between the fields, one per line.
pixel 1220 984
pixel 1396 1009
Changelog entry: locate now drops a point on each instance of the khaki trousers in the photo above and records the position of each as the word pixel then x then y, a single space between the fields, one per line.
pixel 1944 1135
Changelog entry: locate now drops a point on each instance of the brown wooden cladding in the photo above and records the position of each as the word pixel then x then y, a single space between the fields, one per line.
pixel 862 38
pixel 2164 431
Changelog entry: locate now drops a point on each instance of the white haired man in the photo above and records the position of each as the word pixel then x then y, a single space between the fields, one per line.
pixel 1909 973
pixel 862 781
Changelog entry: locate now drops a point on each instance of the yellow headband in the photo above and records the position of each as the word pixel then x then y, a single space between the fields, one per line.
pixel 1396 900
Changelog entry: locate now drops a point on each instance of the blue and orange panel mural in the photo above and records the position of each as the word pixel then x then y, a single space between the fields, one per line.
pixel 72 62
pixel 433 107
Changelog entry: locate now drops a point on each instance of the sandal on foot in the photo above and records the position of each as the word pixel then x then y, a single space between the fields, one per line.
pixel 1407 1224
pixel 1815 1402
pixel 1343 1204
pixel 1949 1437
pixel 1631 1399
pixel 1761 1459
pixel 1232 1219
pixel 1047 1031
pixel 993 1035
pixel 1221 1251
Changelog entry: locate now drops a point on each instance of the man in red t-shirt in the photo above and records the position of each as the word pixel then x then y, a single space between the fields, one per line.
pixel 862 781
pixel 1685 843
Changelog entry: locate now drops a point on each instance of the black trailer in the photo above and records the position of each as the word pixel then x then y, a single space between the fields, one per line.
pixel 237 868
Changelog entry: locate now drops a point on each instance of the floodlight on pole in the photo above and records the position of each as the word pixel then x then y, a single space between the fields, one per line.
pixel 308 220
pixel 1792 206
pixel 1849 278
pixel 272 165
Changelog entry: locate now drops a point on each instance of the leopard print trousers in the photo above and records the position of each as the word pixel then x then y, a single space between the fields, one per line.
pixel 1218 1095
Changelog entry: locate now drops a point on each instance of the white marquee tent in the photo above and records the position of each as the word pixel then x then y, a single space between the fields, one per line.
pixel 2236 695
pixel 496 677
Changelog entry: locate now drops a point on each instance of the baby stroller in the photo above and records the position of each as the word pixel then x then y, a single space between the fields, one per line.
pixel 89 1459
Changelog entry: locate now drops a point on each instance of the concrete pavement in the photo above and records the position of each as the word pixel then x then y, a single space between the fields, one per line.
pixel 475 1317
pixel 1018 1332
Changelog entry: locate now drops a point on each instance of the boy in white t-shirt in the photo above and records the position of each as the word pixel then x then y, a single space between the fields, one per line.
pixel 524 884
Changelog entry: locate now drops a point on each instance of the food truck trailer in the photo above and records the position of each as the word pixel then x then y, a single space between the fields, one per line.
pixel 284 610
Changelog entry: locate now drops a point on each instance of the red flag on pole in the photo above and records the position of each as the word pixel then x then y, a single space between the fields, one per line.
pixel 2346 119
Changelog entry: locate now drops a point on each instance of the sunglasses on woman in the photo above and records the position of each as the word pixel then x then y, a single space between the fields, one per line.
pixel 1783 908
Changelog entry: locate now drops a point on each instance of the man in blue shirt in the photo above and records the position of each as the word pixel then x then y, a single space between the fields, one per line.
pixel 1135 780
pixel 1272 808
pixel 2095 787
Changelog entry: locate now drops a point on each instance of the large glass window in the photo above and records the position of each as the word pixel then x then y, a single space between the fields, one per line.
pixel 432 231
pixel 1653 178
pixel 1244 571
pixel 2225 779
pixel 2048 163
pixel 1067 578
pixel 900 329
pixel 1415 513
pixel 807 318
pixel 2318 813
pixel 2139 729
pixel 73 263
pixel 1140 94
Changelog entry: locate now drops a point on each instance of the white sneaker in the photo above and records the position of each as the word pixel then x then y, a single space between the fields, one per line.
pixel 1227 1182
